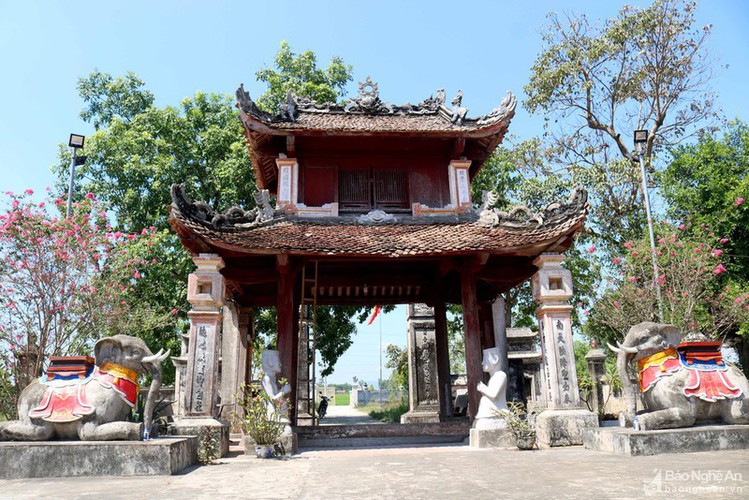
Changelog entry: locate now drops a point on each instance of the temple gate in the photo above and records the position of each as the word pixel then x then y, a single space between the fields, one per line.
pixel 377 198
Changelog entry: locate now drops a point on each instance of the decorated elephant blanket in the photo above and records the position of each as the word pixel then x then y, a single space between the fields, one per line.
pixel 66 400
pixel 704 363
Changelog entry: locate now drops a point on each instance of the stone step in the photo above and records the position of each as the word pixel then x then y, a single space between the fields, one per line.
pixel 364 442
pixel 327 436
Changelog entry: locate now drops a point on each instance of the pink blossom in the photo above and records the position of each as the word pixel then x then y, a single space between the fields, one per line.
pixel 617 304
pixel 15 204
pixel 29 192
pixel 717 253
pixel 739 201
pixel 629 244
pixel 591 249
pixel 616 261
pixel 90 196
pixel 41 205
pixel 9 193
pixel 136 274
pixel 724 240
pixel 719 269
pixel 174 310
pixel 682 227
pixel 661 241
pixel 632 279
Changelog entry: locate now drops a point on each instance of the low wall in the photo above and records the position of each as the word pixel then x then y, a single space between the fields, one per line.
pixel 361 397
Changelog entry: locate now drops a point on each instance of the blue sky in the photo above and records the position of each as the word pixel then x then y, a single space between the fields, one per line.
pixel 179 47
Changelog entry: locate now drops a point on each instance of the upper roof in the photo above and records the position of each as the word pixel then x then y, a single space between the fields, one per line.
pixel 368 115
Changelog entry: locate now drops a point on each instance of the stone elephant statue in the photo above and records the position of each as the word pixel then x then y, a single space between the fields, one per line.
pixel 91 406
pixel 680 382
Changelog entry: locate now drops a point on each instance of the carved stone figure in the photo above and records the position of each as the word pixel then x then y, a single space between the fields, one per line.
pixel 493 395
pixel 288 108
pixel 459 112
pixel 680 382
pixel 271 362
pixel 92 406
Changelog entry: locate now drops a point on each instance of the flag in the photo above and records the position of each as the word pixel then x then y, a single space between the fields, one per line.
pixel 375 312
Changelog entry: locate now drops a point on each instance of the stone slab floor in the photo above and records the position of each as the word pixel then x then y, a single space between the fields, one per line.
pixel 434 472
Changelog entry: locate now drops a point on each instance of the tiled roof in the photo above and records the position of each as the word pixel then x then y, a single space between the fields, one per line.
pixel 408 236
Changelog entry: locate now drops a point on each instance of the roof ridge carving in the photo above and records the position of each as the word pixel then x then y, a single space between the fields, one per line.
pixel 238 219
pixel 368 103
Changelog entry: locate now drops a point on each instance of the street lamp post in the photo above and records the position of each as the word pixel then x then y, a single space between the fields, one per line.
pixel 641 138
pixel 76 142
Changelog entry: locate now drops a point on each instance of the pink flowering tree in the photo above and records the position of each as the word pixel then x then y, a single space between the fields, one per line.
pixel 697 295
pixel 65 282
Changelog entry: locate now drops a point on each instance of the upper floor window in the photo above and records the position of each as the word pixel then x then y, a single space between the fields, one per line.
pixel 370 188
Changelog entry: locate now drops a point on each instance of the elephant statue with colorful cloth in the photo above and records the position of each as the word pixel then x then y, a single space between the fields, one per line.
pixel 680 382
pixel 90 405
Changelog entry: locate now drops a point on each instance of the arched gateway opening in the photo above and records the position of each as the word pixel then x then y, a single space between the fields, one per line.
pixel 373 206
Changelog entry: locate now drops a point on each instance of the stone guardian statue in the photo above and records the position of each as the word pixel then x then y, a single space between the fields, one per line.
pixel 493 395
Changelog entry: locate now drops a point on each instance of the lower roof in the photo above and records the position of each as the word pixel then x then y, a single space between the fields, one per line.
pixel 264 231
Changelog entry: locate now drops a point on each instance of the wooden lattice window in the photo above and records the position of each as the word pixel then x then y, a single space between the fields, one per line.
pixel 390 188
pixel 373 188
pixel 353 188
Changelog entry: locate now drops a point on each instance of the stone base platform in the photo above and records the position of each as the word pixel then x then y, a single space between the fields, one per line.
pixel 286 445
pixel 563 427
pixel 492 438
pixel 420 417
pixel 157 457
pixel 626 441
pixel 191 426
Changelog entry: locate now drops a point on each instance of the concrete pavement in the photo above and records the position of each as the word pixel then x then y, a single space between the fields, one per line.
pixel 346 415
pixel 433 472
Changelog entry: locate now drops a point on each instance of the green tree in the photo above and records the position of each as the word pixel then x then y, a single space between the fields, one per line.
pixel 646 68
pixel 396 359
pixel 300 74
pixel 706 185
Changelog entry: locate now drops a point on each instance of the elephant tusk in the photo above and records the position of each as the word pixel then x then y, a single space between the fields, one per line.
pixel 164 356
pixel 628 350
pixel 153 357
pixel 615 349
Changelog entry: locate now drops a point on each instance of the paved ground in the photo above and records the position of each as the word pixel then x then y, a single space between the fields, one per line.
pixel 434 472
pixel 346 415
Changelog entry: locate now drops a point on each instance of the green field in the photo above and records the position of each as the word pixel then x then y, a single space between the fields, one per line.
pixel 342 399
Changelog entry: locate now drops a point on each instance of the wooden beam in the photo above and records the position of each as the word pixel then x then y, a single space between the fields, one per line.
pixel 252 276
pixel 472 336
pixel 291 146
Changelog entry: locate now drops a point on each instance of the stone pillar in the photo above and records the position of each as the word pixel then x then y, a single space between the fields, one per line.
pixel 233 359
pixel 423 387
pixel 563 422
pixel 180 376
pixel 205 291
pixel 443 360
pixel 500 331
pixel 460 185
pixel 596 359
pixel 305 370
pixel 288 183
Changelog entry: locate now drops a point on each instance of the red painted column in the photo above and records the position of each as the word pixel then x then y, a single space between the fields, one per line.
pixel 472 334
pixel 286 342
